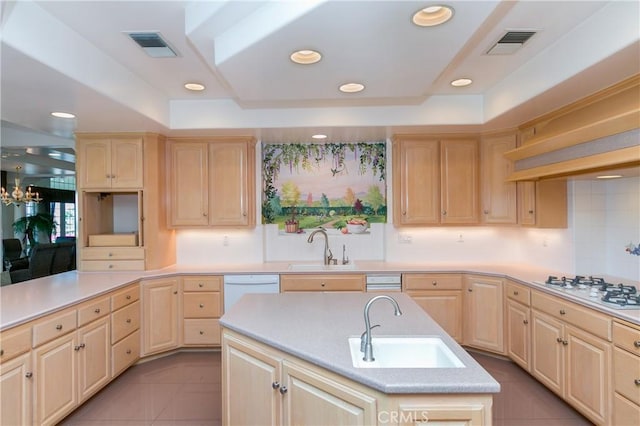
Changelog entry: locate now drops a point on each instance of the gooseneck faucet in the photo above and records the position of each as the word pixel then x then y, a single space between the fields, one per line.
pixel 327 251
pixel 368 348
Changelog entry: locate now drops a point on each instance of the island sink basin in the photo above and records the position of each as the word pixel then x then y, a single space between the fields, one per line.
pixel 311 267
pixel 405 352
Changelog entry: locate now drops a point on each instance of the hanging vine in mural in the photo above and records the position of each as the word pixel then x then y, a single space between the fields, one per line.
pixel 332 184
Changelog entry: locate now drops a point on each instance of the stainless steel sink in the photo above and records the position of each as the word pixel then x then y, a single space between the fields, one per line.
pixel 405 352
pixel 311 267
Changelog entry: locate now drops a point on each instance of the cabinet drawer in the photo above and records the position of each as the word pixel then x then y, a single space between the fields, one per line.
pixel 591 321
pixel 113 265
pixel 112 253
pixel 519 293
pixel 202 283
pixel 15 342
pixel 201 305
pixel 625 412
pixel 54 326
pixel 201 332
pixel 93 310
pixel 626 369
pixel 626 337
pixel 125 297
pixel 125 321
pixel 124 353
pixel 432 282
pixel 303 282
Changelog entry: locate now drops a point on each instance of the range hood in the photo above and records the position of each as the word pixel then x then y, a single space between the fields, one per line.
pixel 598 133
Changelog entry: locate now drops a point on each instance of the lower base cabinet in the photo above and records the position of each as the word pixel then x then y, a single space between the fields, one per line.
pixel 16 387
pixel 284 390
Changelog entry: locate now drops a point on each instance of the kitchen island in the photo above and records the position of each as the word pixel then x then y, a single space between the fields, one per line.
pixel 287 357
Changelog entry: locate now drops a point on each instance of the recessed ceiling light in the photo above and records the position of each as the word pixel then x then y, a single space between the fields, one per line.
pixel 319 136
pixel 352 87
pixel 608 177
pixel 60 114
pixel 196 87
pixel 305 57
pixel 461 82
pixel 432 15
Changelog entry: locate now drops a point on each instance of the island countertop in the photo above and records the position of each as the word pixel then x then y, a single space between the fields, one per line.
pixel 315 327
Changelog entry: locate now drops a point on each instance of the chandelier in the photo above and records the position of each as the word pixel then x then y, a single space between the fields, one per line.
pixel 19 196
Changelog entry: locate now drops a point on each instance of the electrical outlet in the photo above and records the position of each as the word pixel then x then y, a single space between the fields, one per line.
pixel 405 238
pixel 460 238
pixel 225 241
pixel 545 243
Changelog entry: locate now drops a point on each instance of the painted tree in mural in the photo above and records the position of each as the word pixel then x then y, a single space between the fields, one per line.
pixel 374 198
pixel 349 197
pixel 290 196
pixel 324 201
pixel 310 200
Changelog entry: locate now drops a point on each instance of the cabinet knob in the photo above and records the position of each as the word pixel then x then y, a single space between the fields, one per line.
pixel 175 292
pixel 82 345
pixel 128 351
pixel 636 343
pixel 128 297
pixel 200 285
pixel 76 348
pixel 128 321
pixel 283 390
pixel 515 293
pixel 110 254
pixel 202 333
pixel 110 266
pixel 525 321
pixel 404 213
pixel 562 312
pixel 275 385
pixel 470 290
pixel 59 327
pixel 559 339
pixel 637 382
pixel 1 352
pixel 202 305
pixel 530 211
pixel 28 375
pixel 444 212
pixel 204 214
pixel 97 311
pixel 565 343
pixel 434 282
pixel 321 284
pixel 486 212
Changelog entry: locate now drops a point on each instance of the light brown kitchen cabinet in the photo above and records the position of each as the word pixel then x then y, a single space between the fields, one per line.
pixel 201 310
pixel 160 314
pixel 16 390
pixel 109 162
pixel 484 313
pixel 219 174
pixel 499 197
pixel 518 324
pixel 328 282
pixel 574 363
pixel 125 328
pixel 543 204
pixel 626 373
pixel 122 219
pixel 435 181
pixel 94 357
pixel 440 295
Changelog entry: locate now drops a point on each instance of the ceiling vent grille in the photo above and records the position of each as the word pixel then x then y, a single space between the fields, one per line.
pixel 510 42
pixel 153 44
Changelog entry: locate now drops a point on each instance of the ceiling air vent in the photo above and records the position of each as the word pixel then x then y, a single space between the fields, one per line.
pixel 510 42
pixel 153 44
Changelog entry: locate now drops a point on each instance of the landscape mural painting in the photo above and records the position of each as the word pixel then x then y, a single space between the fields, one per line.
pixel 338 186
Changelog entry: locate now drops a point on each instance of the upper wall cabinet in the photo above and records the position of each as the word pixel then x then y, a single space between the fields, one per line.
pixel 435 181
pixel 498 195
pixel 211 182
pixel 115 163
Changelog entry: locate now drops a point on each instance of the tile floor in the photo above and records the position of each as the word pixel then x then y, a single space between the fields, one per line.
pixel 184 389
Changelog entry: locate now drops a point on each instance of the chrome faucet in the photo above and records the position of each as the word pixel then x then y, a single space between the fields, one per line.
pixel 366 344
pixel 327 251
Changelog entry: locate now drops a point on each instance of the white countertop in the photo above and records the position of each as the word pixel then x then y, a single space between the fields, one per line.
pixel 316 326
pixel 28 300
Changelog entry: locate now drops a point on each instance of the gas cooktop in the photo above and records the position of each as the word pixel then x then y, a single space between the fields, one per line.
pixel 596 289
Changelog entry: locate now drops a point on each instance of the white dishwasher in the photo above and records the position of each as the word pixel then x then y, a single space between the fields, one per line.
pixel 236 286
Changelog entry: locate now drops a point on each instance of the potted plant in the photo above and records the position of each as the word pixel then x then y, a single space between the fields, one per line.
pixel 32 226
pixel 291 225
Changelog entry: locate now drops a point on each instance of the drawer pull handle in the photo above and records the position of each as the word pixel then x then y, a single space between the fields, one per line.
pixel 562 312
pixel 530 211
pixel 128 297
pixel 110 266
pixel 434 283
pixel 637 382
pixel 515 293
pixel 636 343
pixel 128 351
pixel 275 385
pixel 97 311
pixel 559 339
pixel 175 292
pixel 28 375
pixel 200 285
pixel 110 254
pixel 202 305
pixel 128 320
pixel 202 333
pixel 321 284
pixel 59 327
pixel 470 290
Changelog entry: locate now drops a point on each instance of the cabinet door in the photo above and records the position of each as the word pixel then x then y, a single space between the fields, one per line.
pixel 126 163
pixel 445 307
pixel 416 182
pixel 459 179
pixel 314 399
pixel 588 362
pixel 16 388
pixel 518 333
pixel 547 354
pixel 94 161
pixel 160 315
pixel 498 195
pixel 56 379
pixel 526 203
pixel 94 361
pixel 624 411
pixel 188 184
pixel 250 385
pixel 484 310
pixel 230 183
